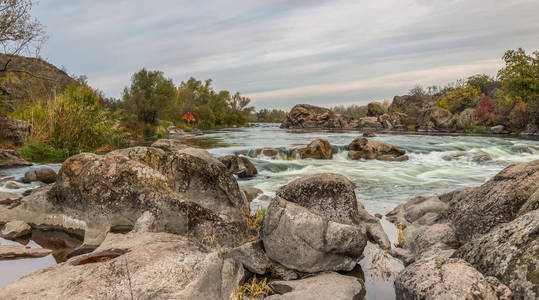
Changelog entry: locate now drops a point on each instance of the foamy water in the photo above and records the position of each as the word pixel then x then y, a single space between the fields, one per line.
pixel 380 185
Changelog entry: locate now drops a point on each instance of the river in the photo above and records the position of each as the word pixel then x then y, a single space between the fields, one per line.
pixel 380 185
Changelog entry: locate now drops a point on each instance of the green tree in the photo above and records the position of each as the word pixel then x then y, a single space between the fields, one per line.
pixel 151 96
pixel 520 76
pixel 484 83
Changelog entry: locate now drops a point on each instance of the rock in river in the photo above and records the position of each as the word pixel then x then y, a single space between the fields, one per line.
pixel 44 174
pixel 362 148
pixel 239 165
pixel 12 159
pixel 314 224
pixel 318 149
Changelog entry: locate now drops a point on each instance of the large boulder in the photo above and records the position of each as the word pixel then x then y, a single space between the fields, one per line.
pixel 44 174
pixel 196 175
pixel 410 105
pixel 315 224
pixel 15 229
pixel 362 148
pixel 174 132
pixel 239 165
pixel 435 118
pixel 12 159
pixel 310 116
pixel 318 149
pixel 444 278
pixel 11 252
pixel 375 109
pixel 169 145
pixel 323 286
pixel 509 253
pixel 476 211
pixel 393 121
pixel 13 130
pixel 135 266
pixel 370 123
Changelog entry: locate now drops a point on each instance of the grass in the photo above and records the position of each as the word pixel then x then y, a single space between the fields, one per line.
pixel 400 236
pixel 254 288
pixel 254 221
pixel 40 153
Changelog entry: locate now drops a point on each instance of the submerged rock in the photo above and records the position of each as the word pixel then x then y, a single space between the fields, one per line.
pixel 323 286
pixel 317 149
pixel 10 252
pixel 251 193
pixel 239 165
pixel 137 266
pixel 12 159
pixel 44 174
pixel 362 148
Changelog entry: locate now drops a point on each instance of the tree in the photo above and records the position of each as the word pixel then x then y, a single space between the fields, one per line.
pixel 417 90
pixel 462 97
pixel 18 30
pixel 520 76
pixel 484 83
pixel 151 96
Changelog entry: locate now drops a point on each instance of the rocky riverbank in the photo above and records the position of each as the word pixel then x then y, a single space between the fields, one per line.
pixel 406 113
pixel 170 221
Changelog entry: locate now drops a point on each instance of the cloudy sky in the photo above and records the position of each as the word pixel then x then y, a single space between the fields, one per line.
pixel 284 52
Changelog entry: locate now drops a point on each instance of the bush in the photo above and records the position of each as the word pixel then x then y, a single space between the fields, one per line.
pixel 457 100
pixel 41 153
pixel 74 122
pixel 205 125
pixel 486 106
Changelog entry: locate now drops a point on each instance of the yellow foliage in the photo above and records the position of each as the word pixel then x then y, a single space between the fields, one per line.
pixel 253 288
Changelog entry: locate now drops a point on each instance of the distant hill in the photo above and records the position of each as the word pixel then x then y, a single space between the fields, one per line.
pixel 27 79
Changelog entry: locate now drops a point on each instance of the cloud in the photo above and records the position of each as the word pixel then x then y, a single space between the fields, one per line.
pixel 286 52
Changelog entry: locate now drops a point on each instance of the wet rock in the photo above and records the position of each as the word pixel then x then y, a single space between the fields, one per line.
pixel 44 174
pixel 509 253
pixel 13 130
pixel 498 129
pixel 270 152
pixel 310 116
pixel 153 266
pixel 362 148
pixel 10 252
pixel 455 156
pixel 8 198
pixel 379 216
pixel 15 229
pixel 251 193
pixel 169 145
pixel 375 109
pixel 11 186
pixel 481 158
pixel 252 256
pixel 242 152
pixel 531 129
pixel 522 149
pixel 444 278
pixel 12 159
pixel 317 149
pixel 369 134
pixel 239 165
pixel 476 211
pixel 329 285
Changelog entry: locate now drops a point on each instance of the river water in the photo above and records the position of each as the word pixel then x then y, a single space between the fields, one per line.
pixel 380 185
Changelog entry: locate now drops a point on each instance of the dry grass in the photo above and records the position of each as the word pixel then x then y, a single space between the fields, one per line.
pixel 254 220
pixel 380 265
pixel 208 238
pixel 400 235
pixel 253 288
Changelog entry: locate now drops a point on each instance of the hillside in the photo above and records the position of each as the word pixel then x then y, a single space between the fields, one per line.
pixel 28 78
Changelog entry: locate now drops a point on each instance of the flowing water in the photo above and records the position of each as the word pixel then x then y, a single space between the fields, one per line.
pixel 380 185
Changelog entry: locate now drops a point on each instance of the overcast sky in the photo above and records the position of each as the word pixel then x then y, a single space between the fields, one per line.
pixel 284 52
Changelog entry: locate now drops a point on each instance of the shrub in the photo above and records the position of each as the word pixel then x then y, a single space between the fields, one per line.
pixel 74 121
pixel 486 106
pixel 41 153
pixel 206 124
pixel 457 100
